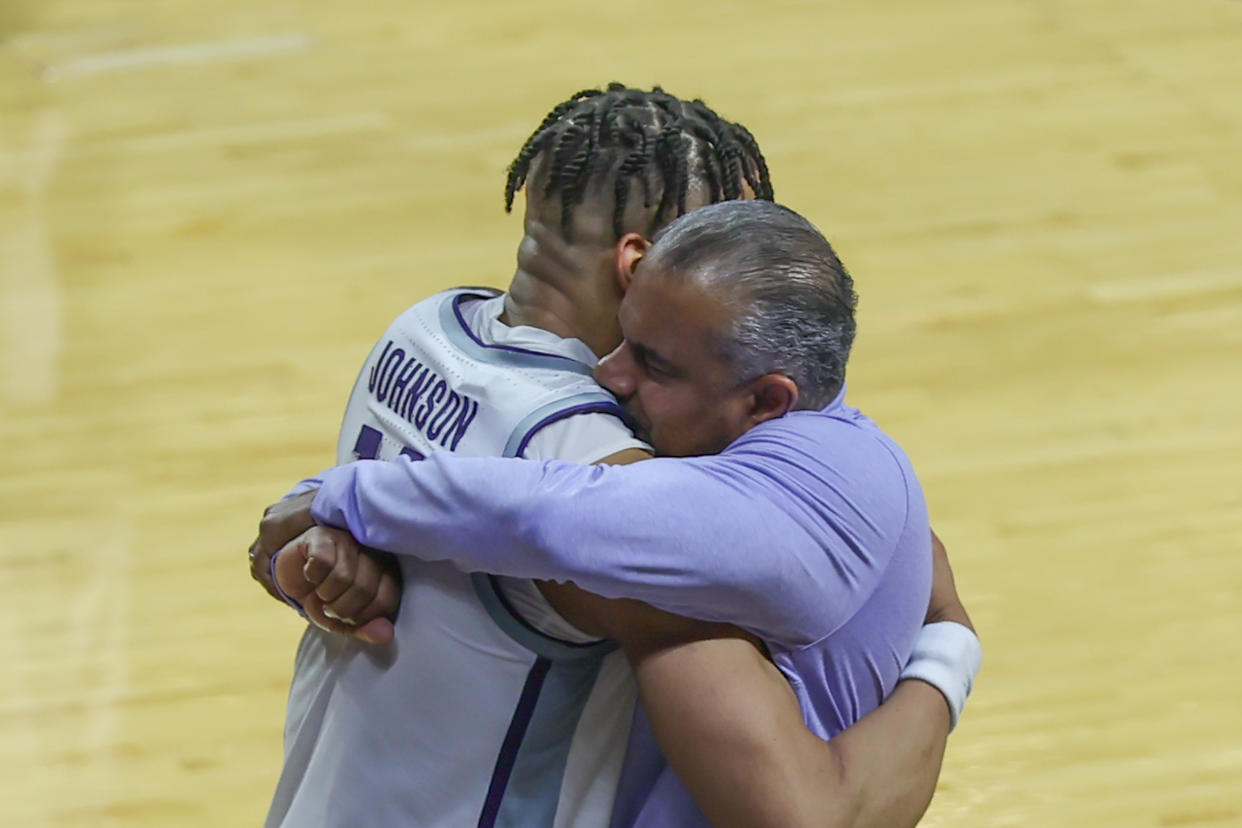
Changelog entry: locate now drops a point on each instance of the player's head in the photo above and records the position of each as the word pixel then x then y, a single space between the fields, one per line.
pixel 609 162
pixel 738 313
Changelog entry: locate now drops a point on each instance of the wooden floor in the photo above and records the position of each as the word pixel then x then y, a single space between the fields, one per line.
pixel 209 210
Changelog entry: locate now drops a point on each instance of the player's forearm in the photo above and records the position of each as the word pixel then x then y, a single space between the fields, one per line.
pixel 890 759
pixel 886 765
pixel 663 534
pixel 879 773
pixel 733 732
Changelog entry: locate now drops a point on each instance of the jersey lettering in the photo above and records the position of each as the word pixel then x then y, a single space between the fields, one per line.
pixel 421 397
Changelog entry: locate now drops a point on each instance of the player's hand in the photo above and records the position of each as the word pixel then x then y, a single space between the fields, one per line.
pixel 341 587
pixel 945 605
pixel 281 523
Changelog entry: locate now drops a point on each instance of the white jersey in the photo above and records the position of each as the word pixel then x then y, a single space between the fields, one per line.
pixel 488 709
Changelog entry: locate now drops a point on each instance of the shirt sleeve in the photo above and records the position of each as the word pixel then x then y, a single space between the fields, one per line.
pixel 688 535
pixel 303 487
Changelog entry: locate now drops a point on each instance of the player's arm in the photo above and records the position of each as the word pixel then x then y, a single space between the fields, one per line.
pixel 732 730
pixel 625 457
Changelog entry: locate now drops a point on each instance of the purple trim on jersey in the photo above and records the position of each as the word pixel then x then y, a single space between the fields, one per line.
pixel 284 596
pixel 585 408
pixel 542 644
pixel 513 741
pixel 461 320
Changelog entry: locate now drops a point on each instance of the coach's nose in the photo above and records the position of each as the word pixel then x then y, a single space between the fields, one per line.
pixel 617 372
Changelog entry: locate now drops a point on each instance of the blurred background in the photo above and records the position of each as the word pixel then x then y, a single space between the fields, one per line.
pixel 208 212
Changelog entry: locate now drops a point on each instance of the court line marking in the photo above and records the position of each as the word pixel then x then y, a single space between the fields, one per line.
pixel 1167 285
pixel 259 133
pixel 185 54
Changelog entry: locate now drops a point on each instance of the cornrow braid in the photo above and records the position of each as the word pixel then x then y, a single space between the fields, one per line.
pixel 671 160
pixel 533 147
pixel 622 137
pixel 633 163
pixel 571 159
pixel 756 165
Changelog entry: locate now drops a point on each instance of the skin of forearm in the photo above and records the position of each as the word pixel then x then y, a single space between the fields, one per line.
pixel 730 728
pixel 733 732
pixel 890 759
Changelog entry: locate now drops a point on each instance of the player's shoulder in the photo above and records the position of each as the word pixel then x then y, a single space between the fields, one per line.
pixel 436 302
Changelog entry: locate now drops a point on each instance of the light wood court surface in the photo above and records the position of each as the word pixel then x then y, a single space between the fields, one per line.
pixel 208 211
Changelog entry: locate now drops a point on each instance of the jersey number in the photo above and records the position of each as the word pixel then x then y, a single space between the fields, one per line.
pixel 367 446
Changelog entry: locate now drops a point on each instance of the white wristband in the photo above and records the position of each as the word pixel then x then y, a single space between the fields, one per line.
pixel 947 656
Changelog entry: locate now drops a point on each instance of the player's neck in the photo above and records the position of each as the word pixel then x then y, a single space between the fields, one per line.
pixel 564 289
pixel 546 304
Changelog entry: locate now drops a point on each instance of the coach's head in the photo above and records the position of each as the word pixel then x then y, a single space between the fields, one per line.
pixel 737 313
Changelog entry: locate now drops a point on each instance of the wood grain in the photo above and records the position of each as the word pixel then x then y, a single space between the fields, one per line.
pixel 209 211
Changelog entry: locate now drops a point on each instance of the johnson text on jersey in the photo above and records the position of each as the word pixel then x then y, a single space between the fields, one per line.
pixel 420 396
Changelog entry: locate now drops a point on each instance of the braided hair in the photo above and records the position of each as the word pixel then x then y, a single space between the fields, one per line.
pixel 652 139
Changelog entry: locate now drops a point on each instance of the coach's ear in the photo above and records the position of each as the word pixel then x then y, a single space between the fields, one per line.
pixel 631 249
pixel 772 396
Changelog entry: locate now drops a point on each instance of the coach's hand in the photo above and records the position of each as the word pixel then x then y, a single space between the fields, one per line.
pixel 281 523
pixel 341 587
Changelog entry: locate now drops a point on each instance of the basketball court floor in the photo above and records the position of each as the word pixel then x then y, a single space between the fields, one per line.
pixel 208 212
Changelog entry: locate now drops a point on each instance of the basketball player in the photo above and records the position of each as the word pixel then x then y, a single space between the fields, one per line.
pixel 461 372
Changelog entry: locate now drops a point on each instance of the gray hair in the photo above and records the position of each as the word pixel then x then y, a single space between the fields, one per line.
pixel 791 298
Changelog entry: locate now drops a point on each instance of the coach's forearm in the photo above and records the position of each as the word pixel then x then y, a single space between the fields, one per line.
pixel 663 532
pixel 432 512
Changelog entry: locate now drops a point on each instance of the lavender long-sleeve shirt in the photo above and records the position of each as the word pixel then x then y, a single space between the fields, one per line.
pixel 810 531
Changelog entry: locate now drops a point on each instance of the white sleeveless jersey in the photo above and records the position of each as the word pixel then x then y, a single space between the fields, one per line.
pixel 473 716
